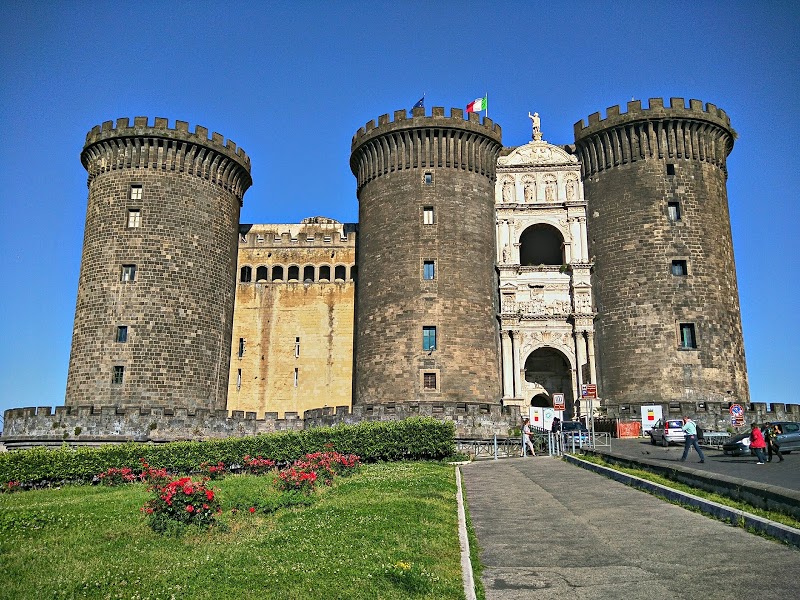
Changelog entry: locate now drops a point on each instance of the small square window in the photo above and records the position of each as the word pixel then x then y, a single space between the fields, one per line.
pixel 429 338
pixel 427 215
pixel 428 178
pixel 688 338
pixel 429 382
pixel 679 268
pixel 134 217
pixel 429 269
pixel 674 211
pixel 122 334
pixel 128 273
pixel 297 347
pixel 119 375
pixel 670 169
pixel 136 192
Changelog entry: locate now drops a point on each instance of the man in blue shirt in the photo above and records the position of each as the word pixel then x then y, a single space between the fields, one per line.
pixel 690 429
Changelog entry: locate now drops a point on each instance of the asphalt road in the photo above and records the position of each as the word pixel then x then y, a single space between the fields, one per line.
pixel 784 474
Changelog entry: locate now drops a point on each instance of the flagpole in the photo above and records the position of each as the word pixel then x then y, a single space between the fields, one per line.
pixel 487 105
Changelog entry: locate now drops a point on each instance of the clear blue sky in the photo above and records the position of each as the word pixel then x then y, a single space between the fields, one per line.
pixel 291 82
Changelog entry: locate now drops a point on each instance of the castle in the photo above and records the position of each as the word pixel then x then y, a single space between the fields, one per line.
pixel 481 281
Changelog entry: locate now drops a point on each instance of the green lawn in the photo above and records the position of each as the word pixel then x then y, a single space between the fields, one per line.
pixel 388 532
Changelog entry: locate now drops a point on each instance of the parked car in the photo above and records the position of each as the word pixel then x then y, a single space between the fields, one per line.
pixel 667 431
pixel 789 440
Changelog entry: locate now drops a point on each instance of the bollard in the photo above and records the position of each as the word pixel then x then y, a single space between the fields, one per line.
pixel 495 446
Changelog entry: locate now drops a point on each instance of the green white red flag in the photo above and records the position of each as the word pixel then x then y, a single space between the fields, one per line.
pixel 478 104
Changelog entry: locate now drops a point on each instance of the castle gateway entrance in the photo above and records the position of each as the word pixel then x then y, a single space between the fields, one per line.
pixel 547 372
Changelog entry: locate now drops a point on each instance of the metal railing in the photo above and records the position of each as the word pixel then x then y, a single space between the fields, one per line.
pixel 545 443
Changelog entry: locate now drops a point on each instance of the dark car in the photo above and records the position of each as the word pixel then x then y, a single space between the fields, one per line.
pixel 576 430
pixel 787 441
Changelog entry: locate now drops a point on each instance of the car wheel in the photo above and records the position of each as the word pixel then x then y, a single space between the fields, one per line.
pixel 652 439
pixel 664 441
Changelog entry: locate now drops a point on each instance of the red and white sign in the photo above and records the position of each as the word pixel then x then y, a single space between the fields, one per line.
pixel 558 401
pixel 589 390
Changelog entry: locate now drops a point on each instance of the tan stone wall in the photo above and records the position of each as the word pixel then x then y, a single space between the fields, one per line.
pixel 270 315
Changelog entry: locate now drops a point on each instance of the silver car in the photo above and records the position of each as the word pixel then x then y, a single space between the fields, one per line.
pixel 667 431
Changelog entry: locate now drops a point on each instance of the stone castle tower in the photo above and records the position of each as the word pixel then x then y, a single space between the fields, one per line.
pixel 156 292
pixel 668 327
pixel 426 314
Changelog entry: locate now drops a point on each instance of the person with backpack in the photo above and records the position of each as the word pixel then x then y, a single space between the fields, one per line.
pixel 690 439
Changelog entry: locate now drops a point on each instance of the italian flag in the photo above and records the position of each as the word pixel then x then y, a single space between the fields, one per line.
pixel 478 104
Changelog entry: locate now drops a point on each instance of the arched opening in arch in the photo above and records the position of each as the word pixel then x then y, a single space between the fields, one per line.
pixel 308 273
pixel 325 273
pixel 354 272
pixel 246 274
pixel 293 274
pixel 549 369
pixel 261 273
pixel 542 400
pixel 340 272
pixel 541 244
pixel 277 273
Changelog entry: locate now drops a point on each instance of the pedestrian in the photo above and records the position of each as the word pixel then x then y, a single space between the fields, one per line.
pixel 771 438
pixel 556 426
pixel 526 438
pixel 690 439
pixel 757 443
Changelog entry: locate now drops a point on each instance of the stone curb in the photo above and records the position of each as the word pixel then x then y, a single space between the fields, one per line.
pixel 467 576
pixel 779 531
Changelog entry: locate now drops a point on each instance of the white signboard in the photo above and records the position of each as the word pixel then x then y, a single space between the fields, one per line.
pixel 650 414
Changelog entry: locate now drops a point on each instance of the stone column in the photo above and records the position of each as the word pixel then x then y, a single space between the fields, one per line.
pixel 577 240
pixel 584 239
pixel 508 365
pixel 515 347
pixel 590 346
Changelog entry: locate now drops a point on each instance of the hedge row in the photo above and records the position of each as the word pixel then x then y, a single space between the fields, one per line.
pixel 412 439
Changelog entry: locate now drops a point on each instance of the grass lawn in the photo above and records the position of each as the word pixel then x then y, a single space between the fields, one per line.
pixel 389 531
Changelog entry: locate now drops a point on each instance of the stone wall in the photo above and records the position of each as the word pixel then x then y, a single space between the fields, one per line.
pixel 95 425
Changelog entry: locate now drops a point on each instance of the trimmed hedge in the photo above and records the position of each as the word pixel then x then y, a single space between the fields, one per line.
pixel 412 439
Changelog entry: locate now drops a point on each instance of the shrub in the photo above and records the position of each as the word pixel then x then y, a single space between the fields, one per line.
pixel 210 471
pixel 181 502
pixel 257 465
pixel 299 477
pixel 152 476
pixel 418 438
pixel 114 476
pixel 10 487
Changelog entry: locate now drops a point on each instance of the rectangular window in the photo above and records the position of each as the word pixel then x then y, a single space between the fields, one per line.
pixel 429 382
pixel 327 239
pixel 119 375
pixel 122 334
pixel 241 347
pixel 429 269
pixel 688 339
pixel 296 376
pixel 428 178
pixel 679 268
pixel 297 347
pixel 128 273
pixel 429 338
pixel 427 215
pixel 136 192
pixel 238 379
pixel 670 169
pixel 134 217
pixel 674 211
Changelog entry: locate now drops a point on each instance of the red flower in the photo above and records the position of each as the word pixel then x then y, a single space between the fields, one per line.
pixel 189 508
pixel 252 509
pixel 209 494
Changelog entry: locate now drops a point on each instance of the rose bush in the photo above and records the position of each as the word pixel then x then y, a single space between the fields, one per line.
pixel 182 502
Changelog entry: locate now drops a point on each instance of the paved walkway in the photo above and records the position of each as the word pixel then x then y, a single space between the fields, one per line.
pixel 551 530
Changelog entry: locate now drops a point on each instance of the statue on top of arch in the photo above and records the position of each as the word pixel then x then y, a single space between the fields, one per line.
pixel 536 126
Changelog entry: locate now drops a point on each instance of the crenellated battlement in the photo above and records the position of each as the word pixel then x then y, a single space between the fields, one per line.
pixel 111 146
pixel 436 119
pixel 677 109
pixel 425 141
pixel 657 132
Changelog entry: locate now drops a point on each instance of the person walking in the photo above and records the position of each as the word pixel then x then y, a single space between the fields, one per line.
pixel 757 443
pixel 526 438
pixel 771 438
pixel 690 432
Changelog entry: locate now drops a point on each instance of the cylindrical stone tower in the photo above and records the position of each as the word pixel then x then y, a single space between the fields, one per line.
pixel 669 327
pixel 426 322
pixel 157 283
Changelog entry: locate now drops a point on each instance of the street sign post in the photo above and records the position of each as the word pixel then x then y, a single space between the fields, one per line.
pixel 558 401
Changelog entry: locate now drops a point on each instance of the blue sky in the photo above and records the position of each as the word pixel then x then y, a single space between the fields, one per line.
pixel 291 82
